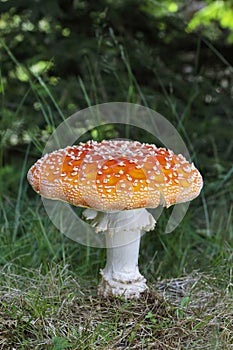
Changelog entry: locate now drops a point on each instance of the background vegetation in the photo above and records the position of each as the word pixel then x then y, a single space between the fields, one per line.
pixel 57 57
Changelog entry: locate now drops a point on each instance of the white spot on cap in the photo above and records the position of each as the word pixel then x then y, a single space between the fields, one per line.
pixel 167 166
pixel 187 169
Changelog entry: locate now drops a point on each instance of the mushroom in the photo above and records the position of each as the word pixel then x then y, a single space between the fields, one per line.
pixel 116 180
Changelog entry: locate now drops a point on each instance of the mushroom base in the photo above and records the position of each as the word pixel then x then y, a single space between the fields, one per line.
pixel 121 276
pixel 129 289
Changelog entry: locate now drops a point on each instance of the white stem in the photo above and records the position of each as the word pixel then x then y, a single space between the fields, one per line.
pixel 121 276
pixel 123 257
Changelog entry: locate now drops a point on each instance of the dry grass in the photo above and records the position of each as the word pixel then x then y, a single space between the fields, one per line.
pixel 53 311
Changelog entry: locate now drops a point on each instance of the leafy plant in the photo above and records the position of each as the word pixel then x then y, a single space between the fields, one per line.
pixel 220 12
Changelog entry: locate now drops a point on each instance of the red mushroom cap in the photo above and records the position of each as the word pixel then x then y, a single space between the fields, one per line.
pixel 115 175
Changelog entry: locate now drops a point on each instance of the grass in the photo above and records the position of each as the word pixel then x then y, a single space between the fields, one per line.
pixel 48 284
pixel 54 311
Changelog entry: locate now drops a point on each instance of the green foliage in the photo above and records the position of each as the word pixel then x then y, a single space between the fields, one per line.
pixel 216 11
pixel 7 179
pixel 60 344
pixel 36 69
pixel 160 9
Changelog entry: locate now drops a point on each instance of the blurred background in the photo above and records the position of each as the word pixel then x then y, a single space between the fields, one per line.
pixel 57 57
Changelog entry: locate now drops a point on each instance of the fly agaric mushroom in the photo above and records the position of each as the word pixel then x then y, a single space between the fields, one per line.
pixel 116 180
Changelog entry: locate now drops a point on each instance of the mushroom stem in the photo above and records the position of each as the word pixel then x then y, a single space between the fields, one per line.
pixel 121 276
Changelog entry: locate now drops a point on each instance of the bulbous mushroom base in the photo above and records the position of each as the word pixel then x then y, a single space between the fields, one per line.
pixel 122 285
pixel 123 230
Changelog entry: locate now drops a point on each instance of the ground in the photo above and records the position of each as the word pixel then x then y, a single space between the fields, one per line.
pixel 57 311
